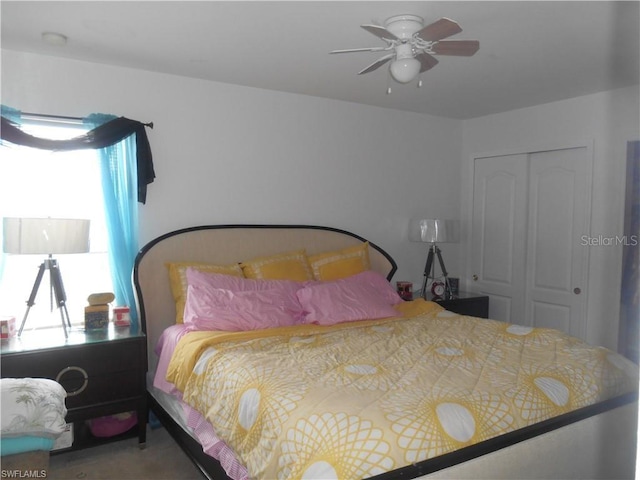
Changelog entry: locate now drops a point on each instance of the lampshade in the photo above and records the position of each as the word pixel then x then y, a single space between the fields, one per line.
pixel 433 230
pixel 45 235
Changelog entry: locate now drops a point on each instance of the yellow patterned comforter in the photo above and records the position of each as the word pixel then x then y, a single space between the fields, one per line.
pixel 354 400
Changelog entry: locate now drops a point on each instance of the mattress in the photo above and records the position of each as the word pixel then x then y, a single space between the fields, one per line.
pixel 176 408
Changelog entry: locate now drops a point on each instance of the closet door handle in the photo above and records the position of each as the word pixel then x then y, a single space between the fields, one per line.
pixel 577 291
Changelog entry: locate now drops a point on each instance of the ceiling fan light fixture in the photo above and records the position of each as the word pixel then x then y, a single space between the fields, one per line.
pixel 404 70
pixel 405 67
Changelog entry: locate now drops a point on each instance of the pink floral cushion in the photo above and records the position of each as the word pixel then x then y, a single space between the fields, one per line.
pixel 366 295
pixel 223 302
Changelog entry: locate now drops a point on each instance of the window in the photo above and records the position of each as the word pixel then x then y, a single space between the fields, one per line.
pixel 40 183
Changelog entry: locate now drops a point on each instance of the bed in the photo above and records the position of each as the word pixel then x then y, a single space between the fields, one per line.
pixel 585 430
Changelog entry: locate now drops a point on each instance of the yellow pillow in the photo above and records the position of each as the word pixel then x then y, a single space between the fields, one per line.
pixel 284 266
pixel 178 280
pixel 340 263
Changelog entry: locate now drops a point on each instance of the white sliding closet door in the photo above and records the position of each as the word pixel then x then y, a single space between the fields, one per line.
pixel 499 233
pixel 530 217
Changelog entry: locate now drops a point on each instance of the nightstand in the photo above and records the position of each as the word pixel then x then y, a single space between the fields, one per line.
pixel 466 303
pixel 103 372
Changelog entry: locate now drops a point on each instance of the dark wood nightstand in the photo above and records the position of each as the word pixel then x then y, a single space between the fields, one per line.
pixel 103 372
pixel 466 303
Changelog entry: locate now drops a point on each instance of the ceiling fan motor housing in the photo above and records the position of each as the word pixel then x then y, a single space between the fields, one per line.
pixel 404 26
pixel 404 50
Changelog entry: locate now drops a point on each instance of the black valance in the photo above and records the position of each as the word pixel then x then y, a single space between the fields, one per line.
pixel 105 135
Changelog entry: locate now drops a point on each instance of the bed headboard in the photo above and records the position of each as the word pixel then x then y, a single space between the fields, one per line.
pixel 223 245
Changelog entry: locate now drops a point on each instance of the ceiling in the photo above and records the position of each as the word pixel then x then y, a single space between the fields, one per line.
pixel 530 52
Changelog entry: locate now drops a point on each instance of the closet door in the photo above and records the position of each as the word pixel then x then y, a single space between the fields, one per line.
pixel 530 213
pixel 556 257
pixel 499 233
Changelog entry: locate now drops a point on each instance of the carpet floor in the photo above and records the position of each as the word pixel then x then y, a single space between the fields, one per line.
pixel 162 459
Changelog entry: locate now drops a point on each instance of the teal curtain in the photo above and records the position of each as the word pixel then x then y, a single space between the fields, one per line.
pixel 15 116
pixel 120 190
pixel 11 114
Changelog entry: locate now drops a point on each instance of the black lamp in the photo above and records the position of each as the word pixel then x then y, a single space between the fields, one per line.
pixel 434 231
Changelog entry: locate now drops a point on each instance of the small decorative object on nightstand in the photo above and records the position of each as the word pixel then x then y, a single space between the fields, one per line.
pixel 121 316
pixel 405 289
pixel 466 303
pixel 7 326
pixel 96 314
pixel 438 289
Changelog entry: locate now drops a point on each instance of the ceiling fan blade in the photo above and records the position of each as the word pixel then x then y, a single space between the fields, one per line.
pixel 380 32
pixel 377 64
pixel 463 48
pixel 438 30
pixel 351 50
pixel 427 61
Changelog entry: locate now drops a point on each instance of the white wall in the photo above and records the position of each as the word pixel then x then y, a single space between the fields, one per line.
pixel 230 154
pixel 608 120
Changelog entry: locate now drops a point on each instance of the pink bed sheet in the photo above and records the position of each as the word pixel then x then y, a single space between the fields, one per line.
pixel 211 444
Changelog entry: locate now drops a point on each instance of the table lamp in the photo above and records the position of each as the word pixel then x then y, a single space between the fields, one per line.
pixel 434 231
pixel 47 236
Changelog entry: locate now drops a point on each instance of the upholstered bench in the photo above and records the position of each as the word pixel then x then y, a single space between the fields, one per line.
pixel 31 418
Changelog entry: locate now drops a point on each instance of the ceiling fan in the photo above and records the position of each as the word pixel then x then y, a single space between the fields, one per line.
pixel 412 45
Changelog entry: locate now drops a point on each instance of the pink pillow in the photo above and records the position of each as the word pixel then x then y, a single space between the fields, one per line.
pixel 347 299
pixel 219 309
pixel 236 284
pixel 245 304
pixel 377 282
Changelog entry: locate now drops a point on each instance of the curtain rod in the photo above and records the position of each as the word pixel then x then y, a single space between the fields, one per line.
pixel 62 118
